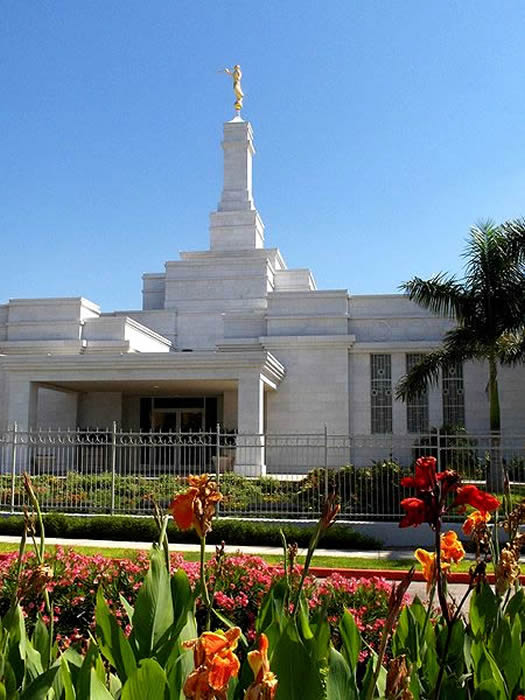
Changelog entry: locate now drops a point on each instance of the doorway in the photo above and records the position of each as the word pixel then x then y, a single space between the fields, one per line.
pixel 177 420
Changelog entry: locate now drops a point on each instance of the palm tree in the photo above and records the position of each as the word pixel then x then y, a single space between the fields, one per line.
pixel 488 305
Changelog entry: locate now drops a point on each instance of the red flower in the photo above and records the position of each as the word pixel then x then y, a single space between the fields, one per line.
pixel 416 512
pixel 424 478
pixel 472 496
pixel 450 481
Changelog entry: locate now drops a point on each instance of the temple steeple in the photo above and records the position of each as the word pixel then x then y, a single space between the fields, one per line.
pixel 236 223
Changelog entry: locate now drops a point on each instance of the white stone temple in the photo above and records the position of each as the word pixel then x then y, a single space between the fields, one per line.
pixel 230 335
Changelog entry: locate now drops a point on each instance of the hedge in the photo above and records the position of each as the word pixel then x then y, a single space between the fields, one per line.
pixel 233 532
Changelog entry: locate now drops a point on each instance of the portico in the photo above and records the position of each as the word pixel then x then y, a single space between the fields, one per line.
pixel 186 392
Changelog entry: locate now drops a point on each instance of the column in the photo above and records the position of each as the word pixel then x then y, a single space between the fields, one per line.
pixel 22 403
pixel 249 459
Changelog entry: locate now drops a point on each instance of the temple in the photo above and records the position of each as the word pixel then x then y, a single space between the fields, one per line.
pixel 232 336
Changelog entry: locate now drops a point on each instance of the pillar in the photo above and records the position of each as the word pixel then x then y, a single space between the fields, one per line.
pixel 249 459
pixel 22 403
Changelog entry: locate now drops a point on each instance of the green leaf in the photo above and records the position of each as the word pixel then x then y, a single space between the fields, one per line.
pixel 229 624
pixel 179 663
pixel 369 678
pixel 41 641
pixel 351 640
pixel 516 604
pixel 112 640
pixel 340 683
pixel 153 614
pixel 512 660
pixel 127 607
pixel 67 681
pixel 33 662
pixel 321 640
pixel 299 678
pixel 3 693
pixel 400 637
pixel 488 690
pixel 455 652
pixel 272 607
pixel 147 682
pixel 39 687
pixel 484 608
pixel 115 685
pixel 10 680
pixel 84 675
pixel 182 599
pixel 97 689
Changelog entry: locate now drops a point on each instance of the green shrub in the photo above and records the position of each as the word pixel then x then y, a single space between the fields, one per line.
pixel 362 490
pixel 236 532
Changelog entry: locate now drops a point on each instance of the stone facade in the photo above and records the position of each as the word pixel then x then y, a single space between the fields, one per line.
pixel 231 335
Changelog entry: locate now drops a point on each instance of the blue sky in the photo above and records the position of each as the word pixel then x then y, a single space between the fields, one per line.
pixel 383 130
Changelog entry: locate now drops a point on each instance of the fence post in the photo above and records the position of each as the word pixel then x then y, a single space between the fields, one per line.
pixel 326 486
pixel 13 467
pixel 113 464
pixel 218 458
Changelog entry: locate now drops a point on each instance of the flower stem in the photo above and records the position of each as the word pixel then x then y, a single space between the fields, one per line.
pixel 429 611
pixel 311 549
pixel 204 586
pixel 439 574
pixel 21 550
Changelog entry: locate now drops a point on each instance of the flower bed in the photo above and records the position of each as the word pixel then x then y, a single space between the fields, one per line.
pixel 237 628
pixel 240 583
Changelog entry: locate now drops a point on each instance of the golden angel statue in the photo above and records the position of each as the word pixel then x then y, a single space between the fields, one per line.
pixel 236 74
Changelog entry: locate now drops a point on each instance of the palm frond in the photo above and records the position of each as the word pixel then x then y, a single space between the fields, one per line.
pixel 465 343
pixel 423 374
pixel 514 231
pixel 441 294
pixel 511 348
pixel 459 345
pixel 488 262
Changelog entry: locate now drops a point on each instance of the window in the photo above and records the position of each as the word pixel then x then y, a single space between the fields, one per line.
pixel 417 407
pixel 453 395
pixel 381 393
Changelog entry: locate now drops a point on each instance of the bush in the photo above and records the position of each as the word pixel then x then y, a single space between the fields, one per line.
pixel 237 532
pixel 363 490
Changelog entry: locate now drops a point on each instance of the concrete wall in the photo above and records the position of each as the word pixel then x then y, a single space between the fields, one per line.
pixel 98 409
pixel 57 409
pixel 313 394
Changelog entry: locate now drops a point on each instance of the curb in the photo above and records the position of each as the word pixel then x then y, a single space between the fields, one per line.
pixel 394 574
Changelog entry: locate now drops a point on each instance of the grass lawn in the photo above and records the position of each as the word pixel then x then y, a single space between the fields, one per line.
pixel 335 562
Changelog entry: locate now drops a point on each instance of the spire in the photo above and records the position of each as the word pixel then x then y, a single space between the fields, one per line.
pixel 236 223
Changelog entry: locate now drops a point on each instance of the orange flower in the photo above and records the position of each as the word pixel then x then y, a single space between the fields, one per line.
pixel 196 506
pixel 428 562
pixel 451 548
pixel 475 520
pixel 265 682
pixel 215 664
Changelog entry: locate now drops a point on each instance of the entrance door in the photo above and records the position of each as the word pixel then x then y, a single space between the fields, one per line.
pixel 178 420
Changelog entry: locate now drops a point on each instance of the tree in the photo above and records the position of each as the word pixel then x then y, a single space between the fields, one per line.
pixel 488 305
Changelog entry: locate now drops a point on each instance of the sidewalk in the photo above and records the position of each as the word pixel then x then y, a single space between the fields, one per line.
pixel 380 555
